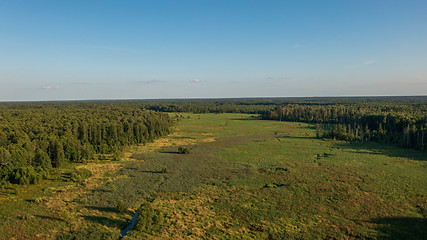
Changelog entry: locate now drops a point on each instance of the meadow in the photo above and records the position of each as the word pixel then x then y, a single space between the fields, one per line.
pixel 244 178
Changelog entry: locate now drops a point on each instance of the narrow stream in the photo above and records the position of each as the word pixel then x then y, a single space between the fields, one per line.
pixel 128 228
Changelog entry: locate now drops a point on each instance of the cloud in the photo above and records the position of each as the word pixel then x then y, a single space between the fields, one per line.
pixel 368 62
pixel 195 80
pixel 296 46
pixel 48 87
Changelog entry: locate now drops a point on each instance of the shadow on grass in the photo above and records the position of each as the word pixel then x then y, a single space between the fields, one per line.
pixel 152 172
pixel 108 222
pixel 170 152
pixel 103 209
pixel 388 150
pixel 401 228
pixel 296 137
pixel 53 218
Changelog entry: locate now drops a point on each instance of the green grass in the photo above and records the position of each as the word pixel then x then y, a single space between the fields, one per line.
pixel 259 180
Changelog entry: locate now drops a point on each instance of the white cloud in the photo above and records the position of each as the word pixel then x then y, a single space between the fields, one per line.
pixel 195 80
pixel 47 87
pixel 368 62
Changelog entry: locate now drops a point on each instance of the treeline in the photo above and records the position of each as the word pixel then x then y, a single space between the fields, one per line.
pixel 260 105
pixel 250 106
pixel 35 137
pixel 399 124
pixel 210 108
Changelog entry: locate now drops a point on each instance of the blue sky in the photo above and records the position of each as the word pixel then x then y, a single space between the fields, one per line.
pixel 60 50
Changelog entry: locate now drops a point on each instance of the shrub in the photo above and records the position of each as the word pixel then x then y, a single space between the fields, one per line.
pixel 117 155
pixel 149 220
pixel 76 177
pixel 26 175
pixel 38 199
pixel 183 150
pixel 65 215
pixel 83 200
pixel 2 183
pixel 121 207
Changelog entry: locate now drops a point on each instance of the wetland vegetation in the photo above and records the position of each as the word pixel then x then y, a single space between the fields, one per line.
pixel 241 177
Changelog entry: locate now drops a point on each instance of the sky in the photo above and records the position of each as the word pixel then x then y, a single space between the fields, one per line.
pixel 78 50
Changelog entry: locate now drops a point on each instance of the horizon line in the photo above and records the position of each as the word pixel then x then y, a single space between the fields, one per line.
pixel 207 98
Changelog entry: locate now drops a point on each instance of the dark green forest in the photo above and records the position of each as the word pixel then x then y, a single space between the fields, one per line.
pixel 35 137
pixel 402 125
pixel 260 105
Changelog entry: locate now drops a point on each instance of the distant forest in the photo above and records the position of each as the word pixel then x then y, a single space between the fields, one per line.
pixel 402 125
pixel 38 136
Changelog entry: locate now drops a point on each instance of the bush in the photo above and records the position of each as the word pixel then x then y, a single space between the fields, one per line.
pixel 83 200
pixel 26 175
pixel 76 177
pixel 183 150
pixel 121 207
pixel 65 215
pixel 149 220
pixel 117 155
pixel 38 200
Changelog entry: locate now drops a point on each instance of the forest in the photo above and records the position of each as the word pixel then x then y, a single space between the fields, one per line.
pixel 35 137
pixel 401 125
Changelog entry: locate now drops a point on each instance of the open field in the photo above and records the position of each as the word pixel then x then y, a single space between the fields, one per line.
pixel 244 178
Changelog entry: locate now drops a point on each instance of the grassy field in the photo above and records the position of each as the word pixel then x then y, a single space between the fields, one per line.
pixel 244 179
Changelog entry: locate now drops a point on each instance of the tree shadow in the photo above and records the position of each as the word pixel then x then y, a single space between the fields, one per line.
pixel 382 149
pixel 53 218
pixel 103 209
pixel 169 152
pixel 147 171
pixel 108 222
pixel 296 137
pixel 401 228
